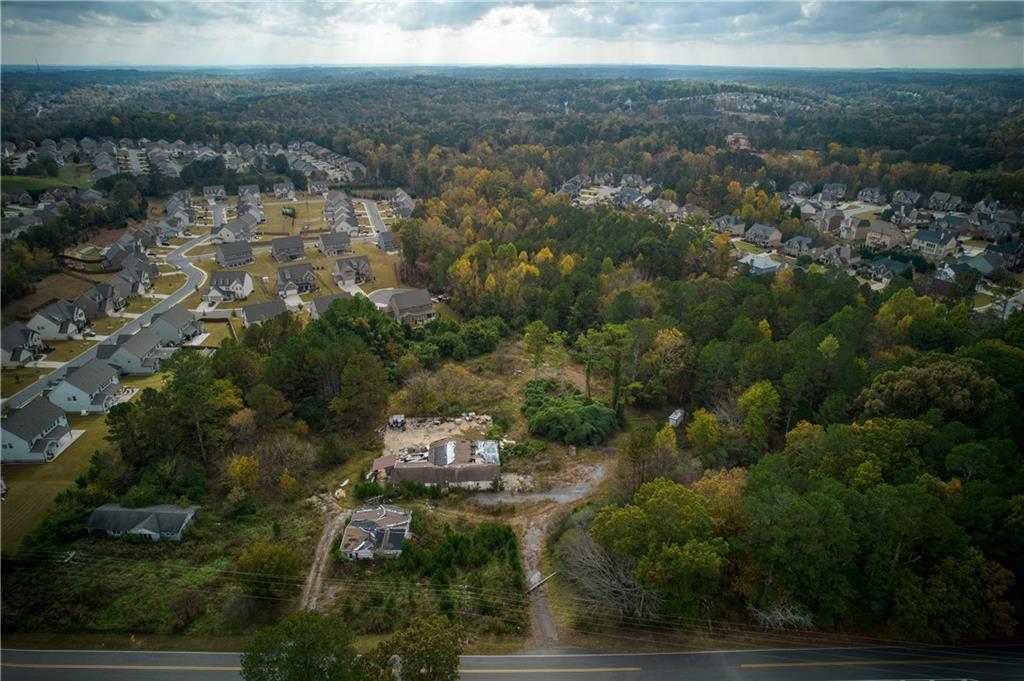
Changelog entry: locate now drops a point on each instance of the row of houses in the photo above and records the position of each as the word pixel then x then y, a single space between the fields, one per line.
pixel 39 431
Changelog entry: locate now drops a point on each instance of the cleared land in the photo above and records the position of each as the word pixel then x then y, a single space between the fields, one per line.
pixel 68 176
pixel 59 285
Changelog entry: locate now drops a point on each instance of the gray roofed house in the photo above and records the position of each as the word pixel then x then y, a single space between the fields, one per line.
pixel 20 345
pixel 997 231
pixel 801 188
pixel 215 193
pixel 294 279
pixel 401 203
pixel 1011 252
pixel 242 228
pixel 93 387
pixel 249 190
pixel 763 235
pixel 934 244
pixel 36 432
pixel 387 242
pixel 944 201
pixel 833 191
pixel 411 305
pixel 234 254
pixel 132 354
pixel 284 190
pixel 100 301
pixel 355 269
pixel 885 270
pixel 286 248
pixel 59 321
pixel 320 305
pixel 905 197
pixel 873 195
pixel 316 187
pixel 882 234
pixel 261 312
pixel 165 522
pixel 801 245
pixel 334 243
pixel 373 531
pixel 176 325
pixel 729 224
pixel 225 286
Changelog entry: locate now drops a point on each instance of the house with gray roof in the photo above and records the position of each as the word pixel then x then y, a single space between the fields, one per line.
pixel 800 188
pixel 320 305
pixel 355 269
pixel 885 270
pixel 287 248
pixel 388 242
pixel 295 279
pixel 411 306
pixel 905 198
pixel 20 345
pixel 261 312
pixel 132 354
pixel 36 432
pixel 997 231
pixel 165 522
pixel 944 201
pixel 729 224
pixel 933 244
pixel 60 320
pixel 227 286
pixel 316 187
pixel 242 228
pixel 234 254
pixel 101 301
pixel 284 190
pixel 833 191
pixel 882 234
pixel 873 195
pixel 763 235
pixel 214 193
pixel 176 325
pixel 252 190
pixel 376 531
pixel 761 263
pixel 334 243
pixel 801 245
pixel 401 203
pixel 338 207
pixel 93 387
pixel 1011 252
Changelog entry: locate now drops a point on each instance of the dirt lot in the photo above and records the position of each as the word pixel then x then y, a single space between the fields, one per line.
pixel 426 430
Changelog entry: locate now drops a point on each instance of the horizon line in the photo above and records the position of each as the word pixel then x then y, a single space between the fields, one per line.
pixel 504 66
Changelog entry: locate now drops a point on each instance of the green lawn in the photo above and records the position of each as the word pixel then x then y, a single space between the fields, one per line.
pixel 67 350
pixel 749 248
pixel 108 325
pixel 219 331
pixel 140 305
pixel 981 299
pixel 13 380
pixel 168 283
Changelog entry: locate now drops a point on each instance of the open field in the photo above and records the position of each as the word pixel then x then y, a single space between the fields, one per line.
pixel 68 349
pixel 306 211
pixel 31 487
pixel 168 283
pixel 52 287
pixel 108 325
pixel 69 176
pixel 13 380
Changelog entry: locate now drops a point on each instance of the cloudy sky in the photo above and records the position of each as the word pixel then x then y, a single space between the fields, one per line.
pixel 810 34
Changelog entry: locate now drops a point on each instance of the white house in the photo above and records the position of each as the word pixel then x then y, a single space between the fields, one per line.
pixel 35 433
pixel 93 387
pixel 226 286
pixel 59 321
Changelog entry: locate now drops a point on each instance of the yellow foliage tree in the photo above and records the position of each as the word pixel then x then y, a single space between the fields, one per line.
pixel 244 472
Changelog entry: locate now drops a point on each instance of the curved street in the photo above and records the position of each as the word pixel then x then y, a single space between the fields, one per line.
pixel 194 277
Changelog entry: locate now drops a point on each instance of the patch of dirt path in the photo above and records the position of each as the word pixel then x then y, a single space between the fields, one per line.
pixel 334 522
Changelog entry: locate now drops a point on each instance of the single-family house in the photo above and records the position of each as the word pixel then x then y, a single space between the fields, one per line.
pixel 997 231
pixel 387 242
pixel 801 245
pixel 227 286
pixel 729 224
pixel 882 234
pixel 809 208
pixel 828 220
pixel 165 522
pixel 854 228
pixel 833 192
pixel 839 255
pixel 34 433
pixel 214 193
pixel 885 269
pixel 101 300
pixel 59 320
pixel 402 203
pixel 763 235
pixel 175 325
pixel 132 354
pixel 287 248
pixel 284 190
pixel 242 228
pixel 447 462
pixel 234 254
pixel 352 270
pixel 376 531
pixel 908 217
pixel 761 263
pixel 319 305
pixel 261 312
pixel 933 244
pixel 801 188
pixel 295 279
pixel 1011 252
pixel 334 243
pixel 873 195
pixel 20 345
pixel 93 387
pixel 412 306
pixel 944 201
pixel 251 190
pixel 954 223
pixel 905 198
pixel 316 187
pixel 986 263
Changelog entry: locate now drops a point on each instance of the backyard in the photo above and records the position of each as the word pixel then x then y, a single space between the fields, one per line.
pixel 13 380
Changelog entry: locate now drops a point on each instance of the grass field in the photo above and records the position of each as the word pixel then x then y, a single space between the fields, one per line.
pixel 54 286
pixel 306 211
pixel 13 380
pixel 220 330
pixel 140 305
pixel 108 325
pixel 748 248
pixel 66 350
pixel 168 283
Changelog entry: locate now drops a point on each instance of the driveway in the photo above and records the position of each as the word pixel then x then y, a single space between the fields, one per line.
pixel 193 277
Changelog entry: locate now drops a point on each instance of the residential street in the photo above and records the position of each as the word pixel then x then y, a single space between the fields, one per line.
pixel 994 663
pixel 193 277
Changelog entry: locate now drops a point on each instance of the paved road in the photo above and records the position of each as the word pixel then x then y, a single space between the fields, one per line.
pixel 827 664
pixel 374 215
pixel 194 277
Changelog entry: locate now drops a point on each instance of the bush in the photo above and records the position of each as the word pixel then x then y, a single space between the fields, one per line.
pixel 367 490
pixel 567 417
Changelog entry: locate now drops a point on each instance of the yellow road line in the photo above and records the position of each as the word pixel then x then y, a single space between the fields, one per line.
pixel 552 670
pixel 851 663
pixel 126 667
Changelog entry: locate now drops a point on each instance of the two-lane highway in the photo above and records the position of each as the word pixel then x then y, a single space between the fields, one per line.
pixel 194 277
pixel 984 663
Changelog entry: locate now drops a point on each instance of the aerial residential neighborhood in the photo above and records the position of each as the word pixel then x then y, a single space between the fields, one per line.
pixel 436 341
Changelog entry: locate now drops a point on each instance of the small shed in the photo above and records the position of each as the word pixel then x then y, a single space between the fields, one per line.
pixel 676 418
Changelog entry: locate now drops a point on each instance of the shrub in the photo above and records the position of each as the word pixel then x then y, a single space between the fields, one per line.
pixel 567 417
